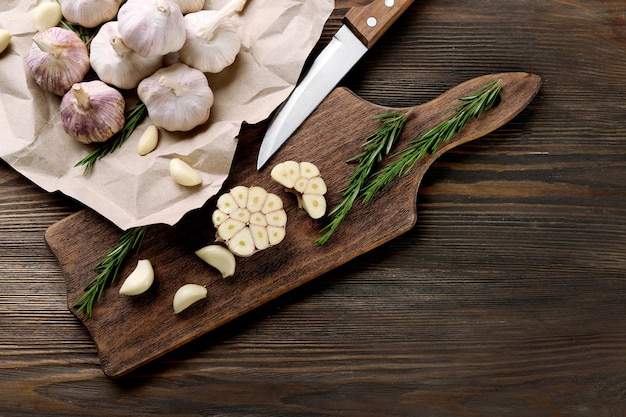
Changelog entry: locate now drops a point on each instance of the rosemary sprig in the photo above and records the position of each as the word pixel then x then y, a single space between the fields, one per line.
pixel 376 146
pixel 133 117
pixel 108 268
pixel 471 106
pixel 85 34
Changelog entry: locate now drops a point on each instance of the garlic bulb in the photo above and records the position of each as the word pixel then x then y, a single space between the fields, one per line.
pixel 89 13
pixel 189 6
pixel 152 27
pixel 178 97
pixel 212 42
pixel 92 111
pixel 57 60
pixel 117 64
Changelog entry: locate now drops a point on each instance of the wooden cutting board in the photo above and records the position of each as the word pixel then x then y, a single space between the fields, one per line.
pixel 130 332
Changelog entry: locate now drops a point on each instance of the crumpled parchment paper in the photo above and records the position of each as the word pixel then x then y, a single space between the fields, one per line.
pixel 131 190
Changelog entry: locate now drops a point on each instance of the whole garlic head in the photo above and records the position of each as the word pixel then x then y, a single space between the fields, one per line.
pixel 189 6
pixel 178 97
pixel 115 63
pixel 57 60
pixel 152 27
pixel 212 42
pixel 92 111
pixel 89 13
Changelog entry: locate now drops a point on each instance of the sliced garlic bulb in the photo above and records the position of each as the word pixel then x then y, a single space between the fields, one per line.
pixel 92 111
pixel 89 13
pixel 152 27
pixel 57 60
pixel 189 6
pixel 47 15
pixel 212 42
pixel 178 97
pixel 249 220
pixel 304 180
pixel 117 64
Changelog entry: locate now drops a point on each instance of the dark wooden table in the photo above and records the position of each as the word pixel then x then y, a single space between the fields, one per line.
pixel 508 298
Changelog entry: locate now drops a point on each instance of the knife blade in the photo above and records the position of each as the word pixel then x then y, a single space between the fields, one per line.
pixel 362 27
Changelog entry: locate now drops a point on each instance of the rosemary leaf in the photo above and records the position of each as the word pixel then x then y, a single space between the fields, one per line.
pixel 107 269
pixel 470 107
pixel 133 118
pixel 376 146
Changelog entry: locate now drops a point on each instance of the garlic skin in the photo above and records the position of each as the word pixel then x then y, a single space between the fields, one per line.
pixel 152 27
pixel 47 15
pixel 57 60
pixel 117 64
pixel 92 111
pixel 178 97
pixel 212 42
pixel 89 13
pixel 190 6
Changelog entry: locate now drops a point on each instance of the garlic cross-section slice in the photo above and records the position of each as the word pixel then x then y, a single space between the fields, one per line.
pixel 305 181
pixel 249 219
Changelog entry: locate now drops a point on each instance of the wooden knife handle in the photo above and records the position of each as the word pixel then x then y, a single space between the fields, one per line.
pixel 369 22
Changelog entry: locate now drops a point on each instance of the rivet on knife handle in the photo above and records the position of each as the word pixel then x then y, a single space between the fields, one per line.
pixel 369 22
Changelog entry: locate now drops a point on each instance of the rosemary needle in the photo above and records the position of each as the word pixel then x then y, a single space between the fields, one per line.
pixel 376 146
pixel 470 107
pixel 133 117
pixel 108 268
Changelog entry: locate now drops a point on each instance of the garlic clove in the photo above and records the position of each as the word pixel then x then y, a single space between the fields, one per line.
pixel 187 295
pixel 227 203
pixel 275 234
pixel 148 141
pixel 242 244
pixel 286 173
pixel 57 60
pixel 308 170
pixel 89 13
pixel 46 15
pixel 140 280
pixel 183 173
pixel 272 203
pixel 240 194
pixel 116 63
pixel 316 186
pixel 314 205
pixel 241 214
pixel 178 97
pixel 152 27
pixel 5 39
pixel 277 218
pixel 256 199
pixel 218 217
pixel 92 111
pixel 258 219
pixel 220 258
pixel 229 228
pixel 260 236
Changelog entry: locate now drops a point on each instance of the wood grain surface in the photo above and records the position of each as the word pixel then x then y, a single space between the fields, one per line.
pixel 130 332
pixel 505 299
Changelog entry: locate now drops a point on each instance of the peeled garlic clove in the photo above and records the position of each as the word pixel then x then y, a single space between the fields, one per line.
pixel 140 280
pixel 5 39
pixel 190 6
pixel 255 230
pixel 92 111
pixel 308 170
pixel 183 173
pixel 148 141
pixel 240 194
pixel 211 44
pixel 89 13
pixel 178 98
pixel 57 60
pixel 316 186
pixel 46 15
pixel 152 27
pixel 187 295
pixel 286 173
pixel 117 64
pixel 219 258
pixel 314 205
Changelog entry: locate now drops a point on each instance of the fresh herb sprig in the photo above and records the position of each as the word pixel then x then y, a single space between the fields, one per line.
pixel 471 106
pixel 107 269
pixel 133 117
pixel 376 146
pixel 85 34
